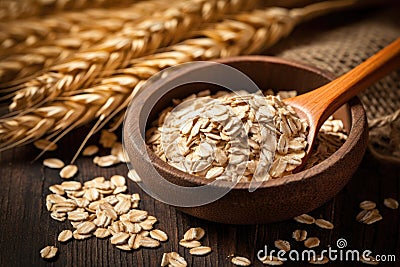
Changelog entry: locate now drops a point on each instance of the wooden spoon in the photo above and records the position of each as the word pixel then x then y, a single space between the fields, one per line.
pixel 316 106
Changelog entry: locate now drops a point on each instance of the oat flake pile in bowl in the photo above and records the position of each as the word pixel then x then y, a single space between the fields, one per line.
pixel 205 136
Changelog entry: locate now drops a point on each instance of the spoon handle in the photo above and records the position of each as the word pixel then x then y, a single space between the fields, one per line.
pixel 324 101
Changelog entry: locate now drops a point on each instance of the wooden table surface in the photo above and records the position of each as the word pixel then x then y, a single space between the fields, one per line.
pixel 26 226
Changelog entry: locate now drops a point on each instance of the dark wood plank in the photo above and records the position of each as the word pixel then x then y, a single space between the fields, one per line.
pixel 26 226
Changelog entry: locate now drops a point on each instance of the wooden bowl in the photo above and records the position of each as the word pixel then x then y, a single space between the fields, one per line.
pixel 277 199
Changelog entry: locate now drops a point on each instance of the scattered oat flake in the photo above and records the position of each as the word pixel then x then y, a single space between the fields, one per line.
pixel 77 216
pixel 91 194
pixel 165 259
pixel 194 234
pixel 149 242
pixel 200 251
pixel 189 244
pixel 120 189
pixel 53 163
pixel 101 233
pixel 48 252
pixel 304 218
pixel 367 205
pixel 118 180
pixel 391 203
pixel 241 261
pixel 90 150
pixel 106 161
pixel 137 215
pixel 109 210
pixel 324 224
pixel 119 238
pixel 134 241
pixel 176 260
pixel 159 235
pixel 54 198
pixel 57 216
pixel 375 217
pixel 62 207
pixel 71 185
pixel 64 235
pixel 85 228
pixel 299 235
pixel 362 215
pixel 282 245
pixel 68 171
pixel 57 189
pixel 369 216
pixel 311 242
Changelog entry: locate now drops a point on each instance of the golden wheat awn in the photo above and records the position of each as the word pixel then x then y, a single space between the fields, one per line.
pixel 113 94
pixel 11 9
pixel 162 29
pixel 45 42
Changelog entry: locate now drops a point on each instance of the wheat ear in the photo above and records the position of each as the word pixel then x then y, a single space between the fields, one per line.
pixel 79 31
pixel 162 29
pixel 11 9
pixel 245 33
pixel 18 35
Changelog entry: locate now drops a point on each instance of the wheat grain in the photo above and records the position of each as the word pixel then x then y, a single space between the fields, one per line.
pixel 163 28
pixel 113 94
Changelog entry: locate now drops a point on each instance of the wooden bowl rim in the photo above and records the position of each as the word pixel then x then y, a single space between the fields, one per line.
pixel 357 116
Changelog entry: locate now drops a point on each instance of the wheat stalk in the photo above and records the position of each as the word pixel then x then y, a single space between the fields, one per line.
pixel 18 35
pixel 245 33
pixel 80 30
pixel 11 9
pixel 162 29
